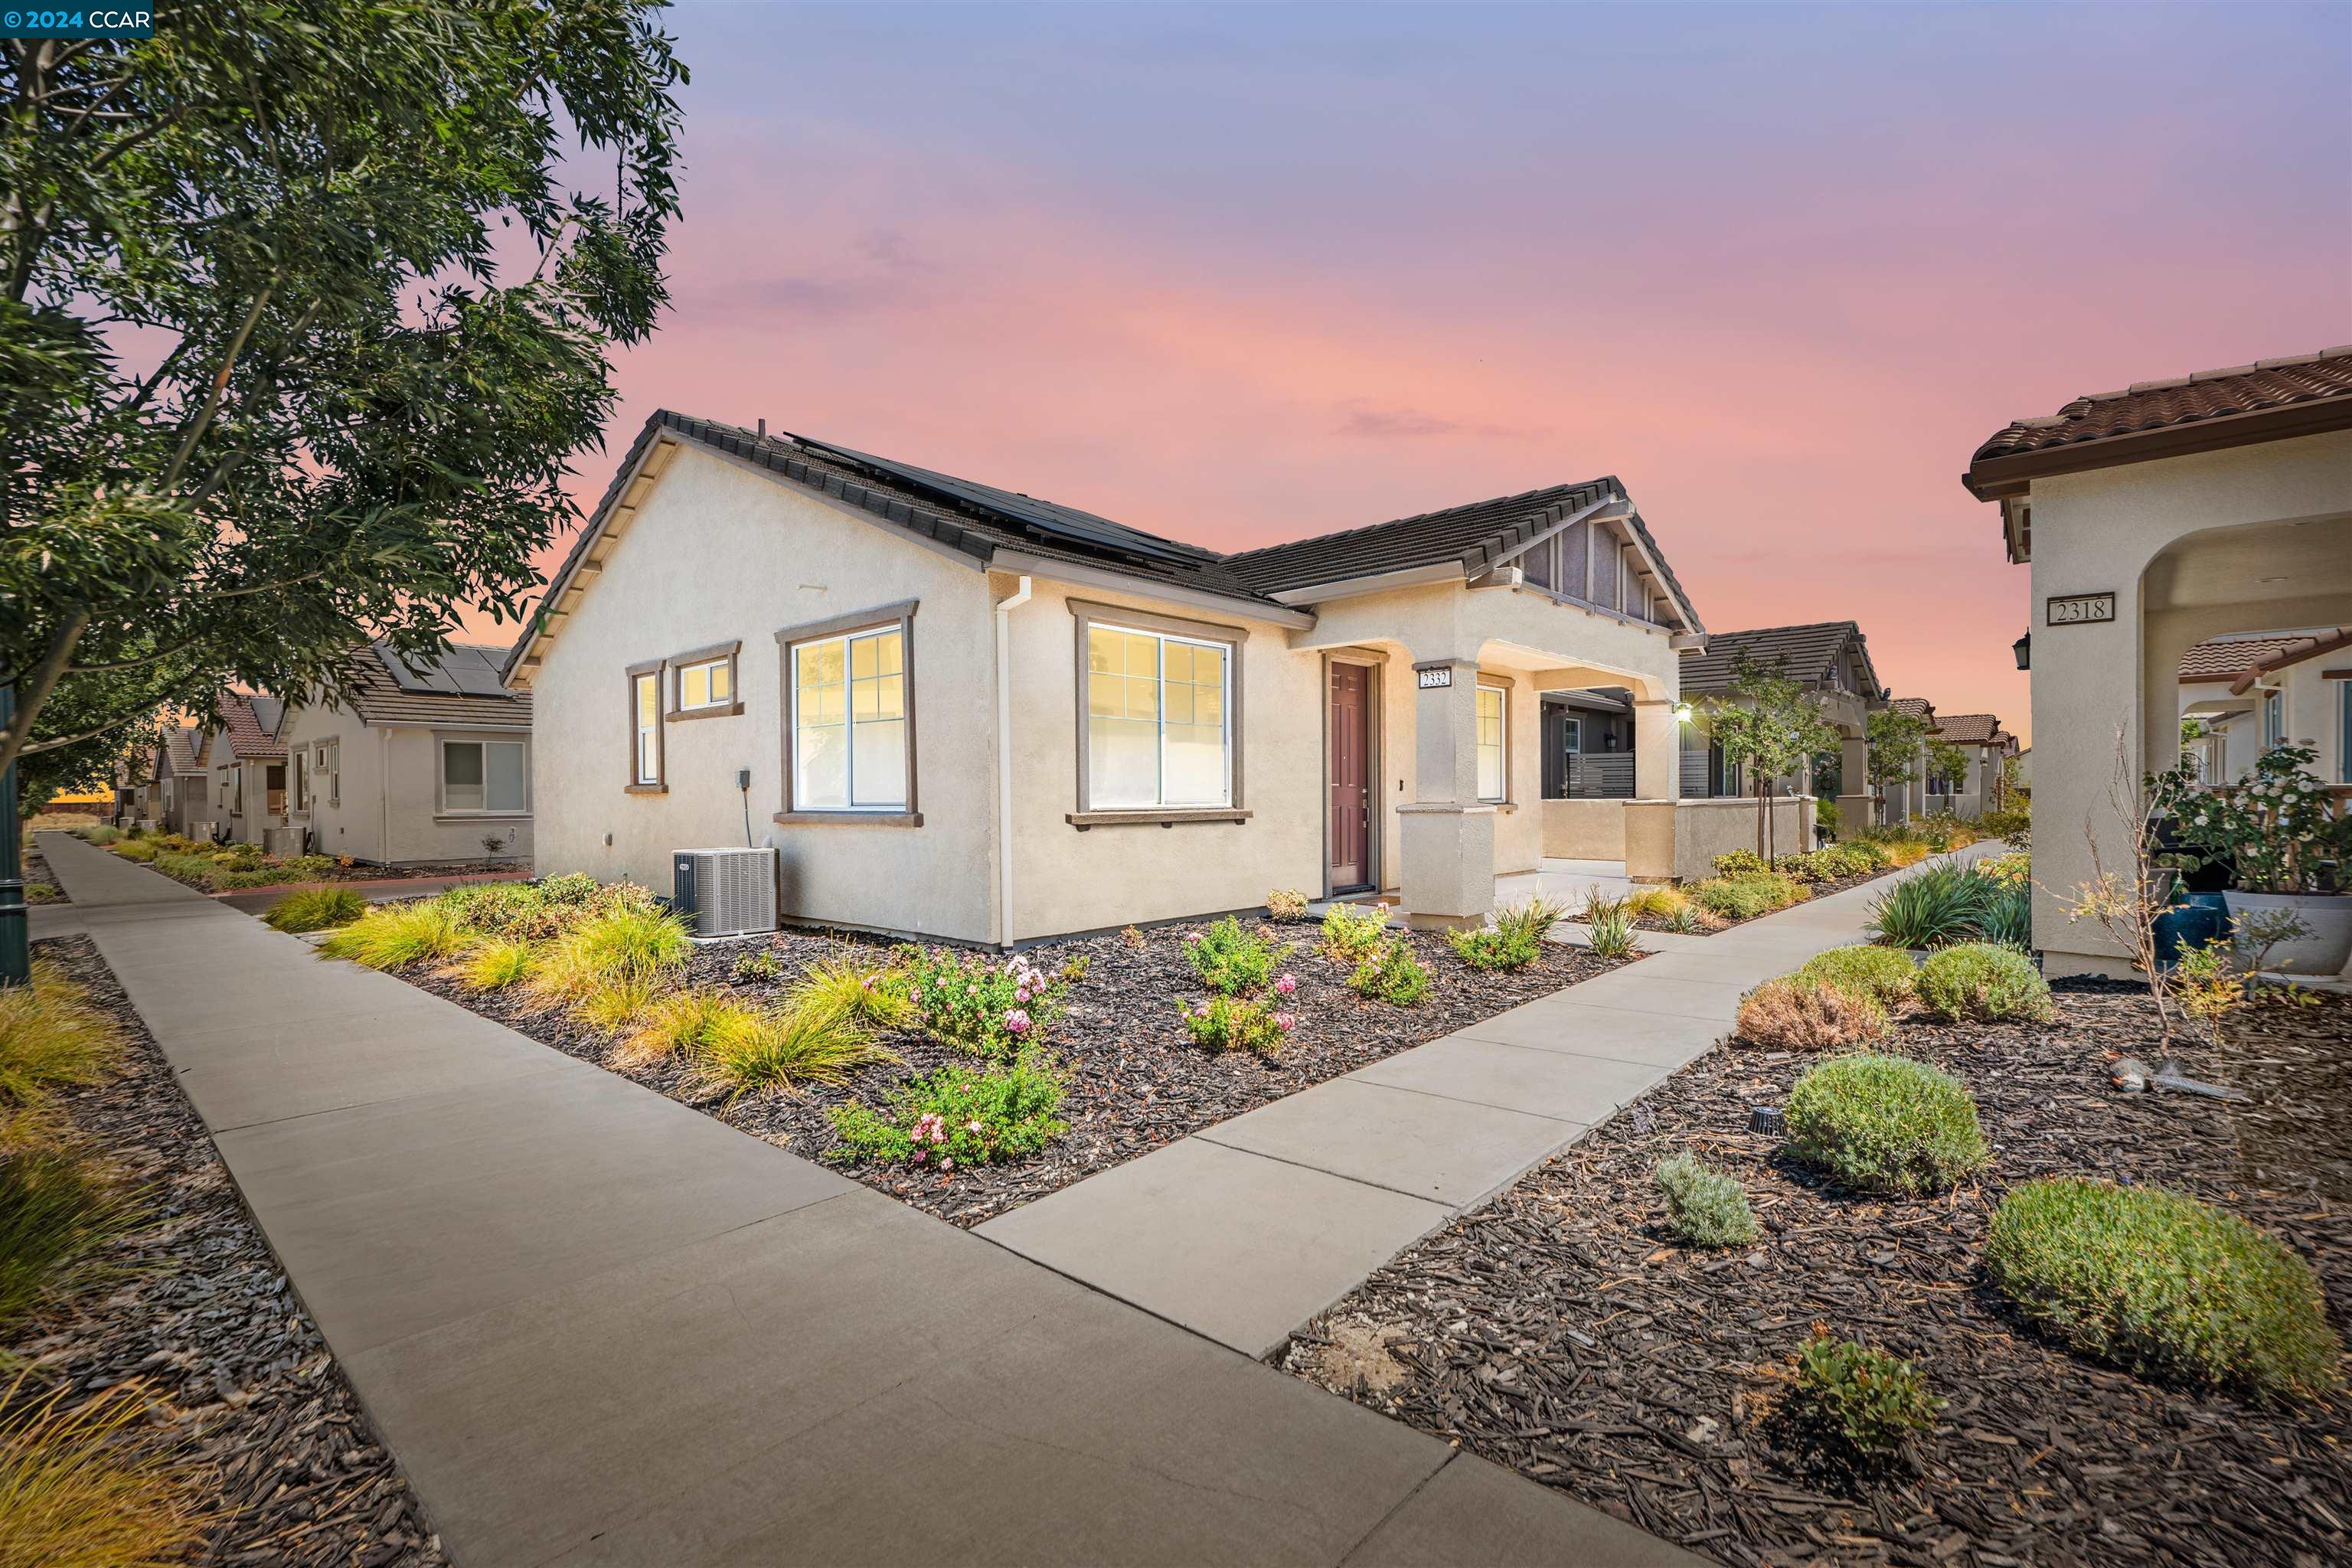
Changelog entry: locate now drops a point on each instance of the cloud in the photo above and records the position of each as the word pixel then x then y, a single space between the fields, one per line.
pixel 1411 423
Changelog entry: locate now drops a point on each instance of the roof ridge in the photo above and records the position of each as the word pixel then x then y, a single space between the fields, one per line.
pixel 1424 516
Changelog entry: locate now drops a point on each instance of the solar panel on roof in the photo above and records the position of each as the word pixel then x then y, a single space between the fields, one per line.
pixel 1048 517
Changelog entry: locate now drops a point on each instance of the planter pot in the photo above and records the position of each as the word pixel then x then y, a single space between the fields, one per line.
pixel 2328 920
pixel 2189 924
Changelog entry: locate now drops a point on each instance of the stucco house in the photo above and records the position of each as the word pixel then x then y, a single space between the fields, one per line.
pixel 413 761
pixel 242 767
pixel 2243 693
pixel 2154 518
pixel 961 713
pixel 1832 658
pixel 1979 738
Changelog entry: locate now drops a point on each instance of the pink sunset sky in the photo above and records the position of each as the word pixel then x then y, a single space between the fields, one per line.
pixel 1241 275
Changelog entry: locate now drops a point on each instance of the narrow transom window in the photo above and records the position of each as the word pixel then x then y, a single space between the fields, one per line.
pixel 1491 773
pixel 645 709
pixel 1157 719
pixel 484 775
pixel 2274 720
pixel 849 722
pixel 710 684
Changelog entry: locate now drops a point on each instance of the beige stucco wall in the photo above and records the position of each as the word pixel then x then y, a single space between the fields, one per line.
pixel 1584 829
pixel 717 552
pixel 351 822
pixel 2099 532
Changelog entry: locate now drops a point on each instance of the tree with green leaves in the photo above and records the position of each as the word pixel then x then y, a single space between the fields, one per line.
pixel 1892 739
pixel 303 312
pixel 1947 762
pixel 1770 725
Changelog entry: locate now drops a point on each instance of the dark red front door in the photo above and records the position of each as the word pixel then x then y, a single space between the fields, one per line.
pixel 1351 813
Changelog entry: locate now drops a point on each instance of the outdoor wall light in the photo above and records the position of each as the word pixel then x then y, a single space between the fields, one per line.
pixel 1682 713
pixel 2024 648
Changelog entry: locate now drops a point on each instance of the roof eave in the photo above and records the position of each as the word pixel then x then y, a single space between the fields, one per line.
pixel 1994 478
pixel 1058 570
pixel 1374 582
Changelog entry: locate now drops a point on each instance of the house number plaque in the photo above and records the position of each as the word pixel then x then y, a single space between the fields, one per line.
pixel 1432 678
pixel 2080 609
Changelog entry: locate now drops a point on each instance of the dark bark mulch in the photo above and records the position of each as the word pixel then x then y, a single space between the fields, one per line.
pixel 1136 1078
pixel 37 873
pixel 247 1392
pixel 1556 1331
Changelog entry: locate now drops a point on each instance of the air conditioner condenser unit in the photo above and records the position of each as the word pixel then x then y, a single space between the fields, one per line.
pixel 724 892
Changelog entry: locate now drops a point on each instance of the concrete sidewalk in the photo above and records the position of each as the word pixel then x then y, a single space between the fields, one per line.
pixel 1246 1230
pixel 598 1326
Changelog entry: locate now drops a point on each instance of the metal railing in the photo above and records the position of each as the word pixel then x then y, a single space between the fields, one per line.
pixel 1601 776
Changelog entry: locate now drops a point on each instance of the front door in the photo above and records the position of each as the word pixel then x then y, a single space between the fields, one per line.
pixel 1351 772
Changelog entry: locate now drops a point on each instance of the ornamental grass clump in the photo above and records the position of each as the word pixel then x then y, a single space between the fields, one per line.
pixel 78 1491
pixel 1884 1124
pixel 980 1004
pixel 496 962
pixel 393 936
pixel 1880 974
pixel 1941 905
pixel 1237 1024
pixel 679 1023
pixel 1857 1402
pixel 621 950
pixel 1516 938
pixel 2162 1284
pixel 957 1116
pixel 773 1049
pixel 1608 927
pixel 1984 983
pixel 52 1037
pixel 315 909
pixel 1745 898
pixel 1352 932
pixel 1390 974
pixel 1230 961
pixel 1800 1012
pixel 1286 905
pixel 871 994
pixel 1704 1207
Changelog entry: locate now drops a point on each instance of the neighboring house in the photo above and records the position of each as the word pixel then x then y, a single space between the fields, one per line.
pixel 2249 692
pixel 416 761
pixel 244 769
pixel 2155 519
pixel 1979 738
pixel 174 778
pixel 962 713
pixel 1901 799
pixel 1831 659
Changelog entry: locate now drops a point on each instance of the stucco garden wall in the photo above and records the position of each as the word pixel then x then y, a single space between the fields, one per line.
pixel 1584 829
pixel 1678 840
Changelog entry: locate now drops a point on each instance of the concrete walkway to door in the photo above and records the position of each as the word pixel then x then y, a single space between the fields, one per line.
pixel 1246 1229
pixel 598 1326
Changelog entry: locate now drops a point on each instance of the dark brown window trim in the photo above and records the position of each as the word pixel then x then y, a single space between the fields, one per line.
pixel 659 783
pixel 900 614
pixel 1087 613
pixel 674 668
pixel 1154 817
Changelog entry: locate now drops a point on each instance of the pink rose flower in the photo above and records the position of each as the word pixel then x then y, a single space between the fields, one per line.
pixel 1286 1022
pixel 1285 986
pixel 1016 1022
pixel 920 1155
pixel 946 1163
pixel 1191 936
pixel 973 1127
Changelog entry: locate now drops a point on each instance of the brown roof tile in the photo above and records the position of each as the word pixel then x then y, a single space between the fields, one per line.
pixel 2157 404
pixel 248 734
pixel 1968 729
pixel 1808 652
pixel 2223 659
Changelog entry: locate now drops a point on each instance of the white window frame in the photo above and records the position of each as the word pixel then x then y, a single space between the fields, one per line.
pixel 905 720
pixel 483 743
pixel 1225 650
pixel 330 764
pixel 2274 719
pixel 647 761
pixel 715 673
pixel 1503 744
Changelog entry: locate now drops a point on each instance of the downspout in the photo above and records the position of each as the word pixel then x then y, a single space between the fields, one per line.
pixel 1005 608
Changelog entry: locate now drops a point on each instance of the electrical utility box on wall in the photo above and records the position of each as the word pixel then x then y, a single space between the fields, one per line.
pixel 724 892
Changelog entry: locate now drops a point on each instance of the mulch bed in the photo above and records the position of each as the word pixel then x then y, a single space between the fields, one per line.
pixel 1136 1079
pixel 1558 1332
pixel 247 1391
pixel 37 872
pixel 1822 890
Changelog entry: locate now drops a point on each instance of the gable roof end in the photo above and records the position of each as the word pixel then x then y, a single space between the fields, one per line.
pixel 1809 653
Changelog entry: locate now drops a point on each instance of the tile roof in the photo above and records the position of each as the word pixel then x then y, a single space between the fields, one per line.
pixel 1918 707
pixel 2158 404
pixel 1808 652
pixel 377 696
pixel 249 736
pixel 2222 658
pixel 1968 729
pixel 2295 652
pixel 177 749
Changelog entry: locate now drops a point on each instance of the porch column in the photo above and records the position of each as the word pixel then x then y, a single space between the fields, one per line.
pixel 1448 838
pixel 1855 800
pixel 1657 750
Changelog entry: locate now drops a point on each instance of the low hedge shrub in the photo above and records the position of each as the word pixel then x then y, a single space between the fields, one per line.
pixel 957 1116
pixel 1884 1124
pixel 1351 933
pixel 1236 1023
pixel 2159 1282
pixel 979 1004
pixel 1390 974
pixel 1796 1013
pixel 1231 960
pixel 1745 898
pixel 1981 983
pixel 1857 1401
pixel 1881 973
pixel 1704 1207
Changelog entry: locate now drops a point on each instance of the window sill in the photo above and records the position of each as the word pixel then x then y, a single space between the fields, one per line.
pixel 481 817
pixel 723 711
pixel 1152 815
pixel 848 818
pixel 647 789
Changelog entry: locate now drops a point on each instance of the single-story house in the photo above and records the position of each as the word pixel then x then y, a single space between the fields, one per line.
pixel 962 713
pixel 1901 799
pixel 1831 659
pixel 2154 518
pixel 1979 738
pixel 415 760
pixel 2245 693
pixel 244 769
pixel 168 777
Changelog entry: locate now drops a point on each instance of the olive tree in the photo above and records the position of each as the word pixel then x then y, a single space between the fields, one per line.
pixel 1770 725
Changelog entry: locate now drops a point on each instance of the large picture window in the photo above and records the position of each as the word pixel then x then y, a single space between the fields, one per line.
pixel 1158 728
pixel 487 777
pixel 849 721
pixel 1493 773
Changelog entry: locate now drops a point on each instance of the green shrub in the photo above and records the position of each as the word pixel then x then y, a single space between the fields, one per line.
pixel 957 1116
pixel 1352 932
pixel 1862 854
pixel 1609 927
pixel 393 936
pixel 1741 863
pixel 1857 1400
pixel 1687 920
pixel 867 992
pixel 1230 962
pixel 1884 1124
pixel 1979 982
pixel 1286 904
pixel 2007 917
pixel 77 1490
pixel 1941 905
pixel 771 1049
pixel 144 851
pixel 757 967
pixel 2161 1283
pixel 1390 974
pixel 981 1005
pixel 1745 898
pixel 52 1035
pixel 1704 1207
pixel 1531 919
pixel 679 1022
pixel 315 909
pixel 495 963
pixel 1796 1012
pixel 618 946
pixel 1485 947
pixel 1236 1023
pixel 1825 817
pixel 1880 974
pixel 99 835
pixel 2013 825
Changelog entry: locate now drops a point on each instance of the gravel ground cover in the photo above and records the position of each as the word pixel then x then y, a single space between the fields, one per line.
pixel 247 1392
pixel 1136 1081
pixel 1559 1332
